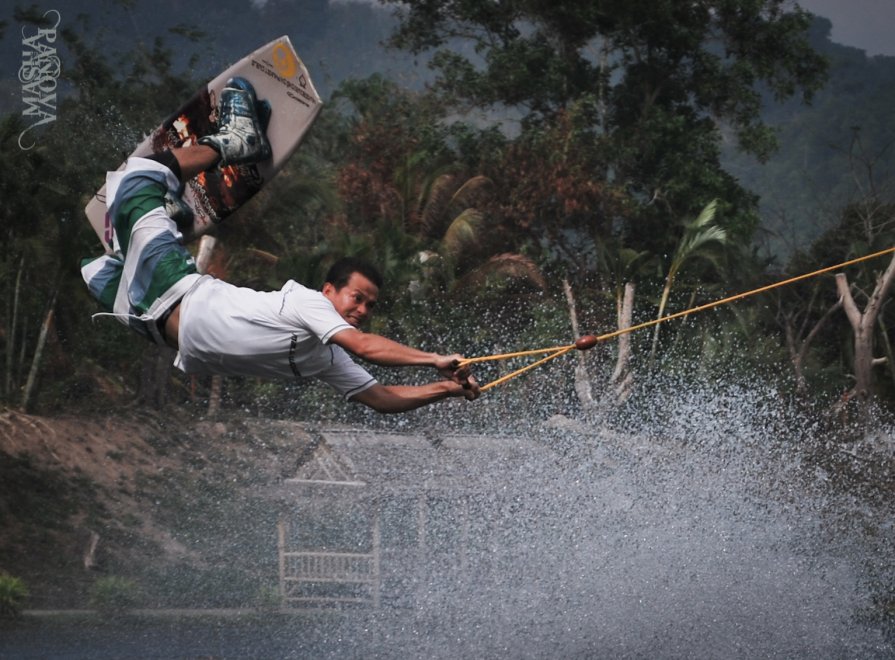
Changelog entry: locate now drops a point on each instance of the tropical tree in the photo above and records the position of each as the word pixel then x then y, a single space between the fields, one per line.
pixel 466 238
pixel 403 182
pixel 864 326
pixel 622 267
pixel 701 239
pixel 398 148
pixel 870 282
pixel 865 225
pixel 661 80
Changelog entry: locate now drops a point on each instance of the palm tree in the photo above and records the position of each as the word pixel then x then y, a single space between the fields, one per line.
pixel 452 211
pixel 621 265
pixel 701 237
pixel 445 200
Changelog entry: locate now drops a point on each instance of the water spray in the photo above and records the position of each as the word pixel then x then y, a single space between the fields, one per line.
pixel 586 342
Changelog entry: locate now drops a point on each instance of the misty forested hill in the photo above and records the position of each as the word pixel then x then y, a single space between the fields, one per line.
pixel 831 152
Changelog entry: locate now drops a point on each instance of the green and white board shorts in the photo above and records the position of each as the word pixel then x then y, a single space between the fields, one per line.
pixel 149 270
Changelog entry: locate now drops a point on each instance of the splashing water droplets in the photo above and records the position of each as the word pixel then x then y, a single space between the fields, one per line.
pixel 698 523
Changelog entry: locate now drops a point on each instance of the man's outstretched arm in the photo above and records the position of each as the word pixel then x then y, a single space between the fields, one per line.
pixel 387 353
pixel 401 398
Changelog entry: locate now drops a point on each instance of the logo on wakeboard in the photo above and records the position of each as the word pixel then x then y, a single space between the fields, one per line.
pixel 284 60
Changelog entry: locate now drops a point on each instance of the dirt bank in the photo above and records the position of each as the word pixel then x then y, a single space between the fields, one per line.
pixel 178 503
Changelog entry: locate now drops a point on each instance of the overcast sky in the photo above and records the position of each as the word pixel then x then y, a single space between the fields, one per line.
pixel 865 24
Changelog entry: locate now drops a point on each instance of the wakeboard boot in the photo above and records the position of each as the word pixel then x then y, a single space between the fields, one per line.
pixel 242 123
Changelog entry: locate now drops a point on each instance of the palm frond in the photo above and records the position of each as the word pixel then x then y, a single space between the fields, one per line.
pixel 631 261
pixel 698 239
pixel 462 233
pixel 706 215
pixel 506 266
pixel 434 211
pixel 472 193
pixel 692 244
pixel 698 234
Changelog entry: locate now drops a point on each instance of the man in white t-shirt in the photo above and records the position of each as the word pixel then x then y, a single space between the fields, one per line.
pixel 151 284
pixel 299 332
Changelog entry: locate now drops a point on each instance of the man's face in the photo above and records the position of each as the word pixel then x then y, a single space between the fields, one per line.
pixel 355 301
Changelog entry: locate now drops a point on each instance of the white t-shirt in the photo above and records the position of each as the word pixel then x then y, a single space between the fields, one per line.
pixel 237 331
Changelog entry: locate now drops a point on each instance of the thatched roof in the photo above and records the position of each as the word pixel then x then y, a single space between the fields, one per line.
pixel 368 463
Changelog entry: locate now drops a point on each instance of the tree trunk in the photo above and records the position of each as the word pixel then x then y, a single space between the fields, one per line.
pixel 582 379
pixel 11 331
pixel 38 354
pixel 863 327
pixel 90 551
pixel 622 378
pixel 156 366
pixel 206 249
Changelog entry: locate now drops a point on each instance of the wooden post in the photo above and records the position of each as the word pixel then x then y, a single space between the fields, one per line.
pixel 38 353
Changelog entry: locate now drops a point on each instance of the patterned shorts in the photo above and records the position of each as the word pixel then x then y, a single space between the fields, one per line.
pixel 149 270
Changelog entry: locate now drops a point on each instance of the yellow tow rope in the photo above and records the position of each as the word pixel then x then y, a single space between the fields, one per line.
pixel 589 341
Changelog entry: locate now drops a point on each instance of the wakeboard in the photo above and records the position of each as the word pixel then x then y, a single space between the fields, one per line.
pixel 279 77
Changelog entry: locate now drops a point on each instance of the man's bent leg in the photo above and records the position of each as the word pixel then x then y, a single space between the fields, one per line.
pixel 187 162
pixel 155 270
pixel 194 160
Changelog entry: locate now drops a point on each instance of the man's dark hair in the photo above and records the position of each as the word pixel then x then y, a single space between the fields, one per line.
pixel 340 272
